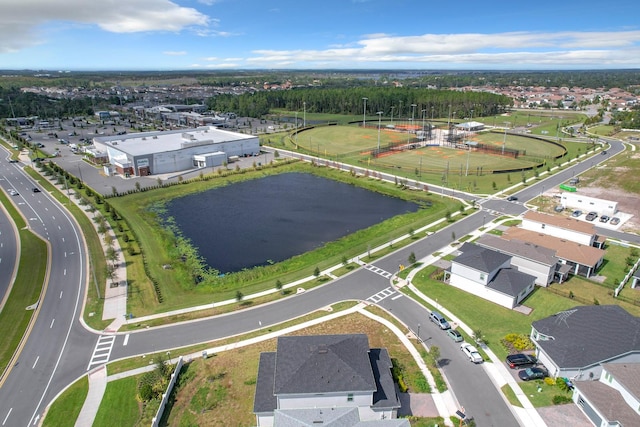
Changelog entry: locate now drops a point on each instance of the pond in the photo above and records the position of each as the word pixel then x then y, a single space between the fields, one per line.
pixel 271 219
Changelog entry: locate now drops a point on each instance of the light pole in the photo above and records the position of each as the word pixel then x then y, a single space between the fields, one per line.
pixel 423 111
pixel 413 109
pixel 364 113
pixel 392 108
pixel 304 115
pixel 296 129
pixel 504 140
pixel 379 113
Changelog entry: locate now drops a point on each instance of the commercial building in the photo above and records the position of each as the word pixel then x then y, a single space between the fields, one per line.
pixel 148 153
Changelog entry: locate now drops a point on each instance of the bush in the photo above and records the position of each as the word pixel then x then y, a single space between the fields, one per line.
pixel 549 381
pixel 561 400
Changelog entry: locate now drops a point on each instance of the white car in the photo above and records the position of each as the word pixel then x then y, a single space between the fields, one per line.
pixel 13 192
pixel 471 352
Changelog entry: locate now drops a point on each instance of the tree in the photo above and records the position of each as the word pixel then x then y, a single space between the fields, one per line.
pixel 279 285
pixel 412 258
pixel 316 272
pixel 239 296
pixel 477 335
pixel 434 351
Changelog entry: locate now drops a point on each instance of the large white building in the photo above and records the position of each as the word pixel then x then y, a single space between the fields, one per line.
pixel 149 153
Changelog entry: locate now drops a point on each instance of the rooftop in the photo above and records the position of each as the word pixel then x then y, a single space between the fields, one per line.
pixel 519 248
pixel 480 258
pixel 565 222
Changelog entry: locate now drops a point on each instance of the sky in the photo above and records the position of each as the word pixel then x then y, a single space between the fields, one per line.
pixel 75 35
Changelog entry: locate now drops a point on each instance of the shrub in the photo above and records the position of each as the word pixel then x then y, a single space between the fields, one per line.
pixel 561 400
pixel 549 381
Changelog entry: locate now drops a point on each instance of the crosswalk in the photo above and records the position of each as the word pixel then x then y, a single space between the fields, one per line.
pixel 102 351
pixel 376 298
pixel 378 271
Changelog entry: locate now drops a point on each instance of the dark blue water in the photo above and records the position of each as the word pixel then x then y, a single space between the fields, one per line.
pixel 274 218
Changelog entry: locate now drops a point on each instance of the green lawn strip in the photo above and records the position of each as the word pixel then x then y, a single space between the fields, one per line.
pixel 510 395
pixel 97 268
pixel 119 406
pixel 67 407
pixel 540 393
pixel 27 288
pixel 178 294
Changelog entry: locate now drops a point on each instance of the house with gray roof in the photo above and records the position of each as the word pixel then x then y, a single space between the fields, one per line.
pixel 614 400
pixel 489 274
pixel 530 258
pixel 576 342
pixel 307 373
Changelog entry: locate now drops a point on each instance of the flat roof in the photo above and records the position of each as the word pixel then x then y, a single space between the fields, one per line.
pixel 142 143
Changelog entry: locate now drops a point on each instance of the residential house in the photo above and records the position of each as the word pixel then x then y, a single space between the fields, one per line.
pixel 530 258
pixel 488 274
pixel 562 227
pixel 614 400
pixel 581 259
pixel 576 342
pixel 308 373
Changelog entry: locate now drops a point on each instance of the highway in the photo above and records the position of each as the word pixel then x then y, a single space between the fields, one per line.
pixel 59 348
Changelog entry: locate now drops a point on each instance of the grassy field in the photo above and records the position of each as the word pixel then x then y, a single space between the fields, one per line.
pixel 176 287
pixel 119 406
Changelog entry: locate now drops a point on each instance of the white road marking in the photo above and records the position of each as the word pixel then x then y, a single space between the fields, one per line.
pixel 376 298
pixel 7 417
pixel 35 422
pixel 35 363
pixel 396 297
pixel 63 239
pixel 61 294
pixel 52 321
pixel 102 351
pixel 126 340
pixel 65 272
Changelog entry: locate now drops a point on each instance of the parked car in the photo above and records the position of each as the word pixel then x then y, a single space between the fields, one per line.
pixel 521 360
pixel 604 218
pixel 614 221
pixel 576 213
pixel 439 320
pixel 455 335
pixel 512 198
pixel 471 352
pixel 532 374
pixel 591 216
pixel 558 208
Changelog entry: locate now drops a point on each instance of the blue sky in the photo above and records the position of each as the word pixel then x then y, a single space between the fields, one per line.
pixel 301 34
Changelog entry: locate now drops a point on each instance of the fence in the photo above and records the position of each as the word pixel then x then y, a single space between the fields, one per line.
pixel 626 278
pixel 165 396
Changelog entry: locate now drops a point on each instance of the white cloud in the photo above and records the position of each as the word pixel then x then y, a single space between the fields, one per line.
pixel 555 49
pixel 21 18
pixel 174 53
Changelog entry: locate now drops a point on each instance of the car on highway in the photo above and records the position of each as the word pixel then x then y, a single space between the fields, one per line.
pixel 614 221
pixel 13 160
pixel 604 152
pixel 532 374
pixel 521 360
pixel 12 192
pixel 576 213
pixel 471 352
pixel 512 198
pixel 591 216
pixel 604 218
pixel 455 335
pixel 36 190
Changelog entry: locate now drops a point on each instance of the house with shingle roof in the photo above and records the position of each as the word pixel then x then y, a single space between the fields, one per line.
pixel 614 400
pixel 576 342
pixel 489 274
pixel 307 373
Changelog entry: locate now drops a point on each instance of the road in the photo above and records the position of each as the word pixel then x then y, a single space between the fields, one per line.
pixel 41 370
pixel 59 349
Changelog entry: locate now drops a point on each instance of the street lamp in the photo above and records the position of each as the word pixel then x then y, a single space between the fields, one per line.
pixel 304 116
pixel 423 111
pixel 413 109
pixel 504 140
pixel 392 108
pixel 296 129
pixel 364 113
pixel 379 113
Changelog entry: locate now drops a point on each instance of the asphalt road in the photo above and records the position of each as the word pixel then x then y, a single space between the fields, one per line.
pixel 37 374
pixel 8 250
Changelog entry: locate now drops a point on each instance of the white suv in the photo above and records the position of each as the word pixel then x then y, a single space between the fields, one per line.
pixel 471 352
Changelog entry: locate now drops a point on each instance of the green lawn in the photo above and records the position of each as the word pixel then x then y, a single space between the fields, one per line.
pixel 119 407
pixel 67 407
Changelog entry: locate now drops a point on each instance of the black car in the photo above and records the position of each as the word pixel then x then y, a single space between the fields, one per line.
pixel 532 374
pixel 520 360
pixel 512 198
pixel 13 160
pixel 36 190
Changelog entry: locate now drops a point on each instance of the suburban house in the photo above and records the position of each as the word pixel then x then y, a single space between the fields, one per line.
pixel 310 380
pixel 575 343
pixel 488 274
pixel 614 400
pixel 581 259
pixel 562 227
pixel 530 258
